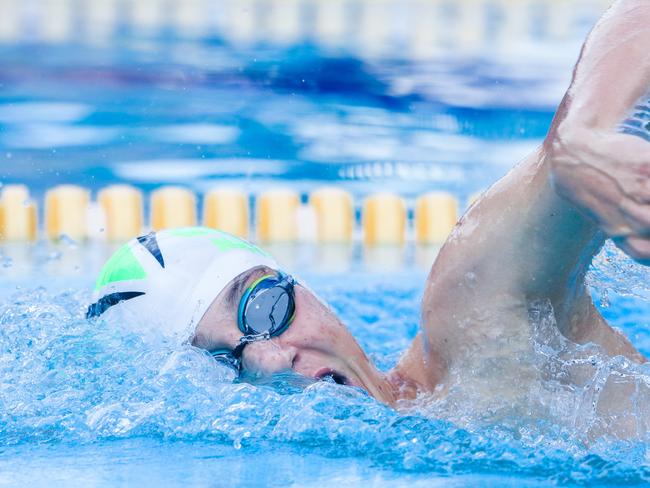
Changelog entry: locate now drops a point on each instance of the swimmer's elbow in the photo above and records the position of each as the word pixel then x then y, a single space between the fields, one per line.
pixel 568 144
pixel 569 155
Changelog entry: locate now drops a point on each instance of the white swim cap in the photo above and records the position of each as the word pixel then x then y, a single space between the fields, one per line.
pixel 165 281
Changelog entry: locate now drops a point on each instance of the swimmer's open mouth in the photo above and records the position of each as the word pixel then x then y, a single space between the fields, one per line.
pixel 328 374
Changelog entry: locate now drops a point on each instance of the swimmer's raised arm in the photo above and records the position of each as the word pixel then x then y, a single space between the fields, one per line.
pixel 523 243
pixel 603 172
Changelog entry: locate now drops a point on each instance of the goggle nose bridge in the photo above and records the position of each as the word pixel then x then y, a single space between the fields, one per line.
pixel 283 281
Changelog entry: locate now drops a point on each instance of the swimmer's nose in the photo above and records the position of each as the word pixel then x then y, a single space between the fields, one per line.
pixel 267 358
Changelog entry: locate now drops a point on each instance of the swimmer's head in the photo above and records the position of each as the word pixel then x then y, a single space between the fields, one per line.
pixel 193 284
pixel 165 281
pixel 315 343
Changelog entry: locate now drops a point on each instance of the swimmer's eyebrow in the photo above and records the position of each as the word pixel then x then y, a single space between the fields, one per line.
pixel 240 283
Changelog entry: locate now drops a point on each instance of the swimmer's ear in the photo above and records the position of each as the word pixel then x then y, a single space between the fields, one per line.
pixel 106 302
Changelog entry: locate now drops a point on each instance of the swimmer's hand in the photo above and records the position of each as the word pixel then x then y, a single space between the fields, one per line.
pixel 607 176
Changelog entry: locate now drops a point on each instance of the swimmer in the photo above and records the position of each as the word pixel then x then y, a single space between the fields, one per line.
pixel 530 238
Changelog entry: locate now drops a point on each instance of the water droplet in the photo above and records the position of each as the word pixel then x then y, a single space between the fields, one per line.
pixel 604 299
pixel 69 241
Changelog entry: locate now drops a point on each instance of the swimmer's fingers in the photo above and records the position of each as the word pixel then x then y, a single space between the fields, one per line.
pixel 621 197
pixel 635 220
pixel 638 248
pixel 602 199
pixel 607 177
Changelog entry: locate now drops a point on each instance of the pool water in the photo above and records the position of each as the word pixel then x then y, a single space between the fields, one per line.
pixel 97 403
pixel 206 114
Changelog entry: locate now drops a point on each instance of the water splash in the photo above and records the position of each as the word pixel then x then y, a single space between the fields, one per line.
pixel 67 380
pixel 568 394
pixel 613 271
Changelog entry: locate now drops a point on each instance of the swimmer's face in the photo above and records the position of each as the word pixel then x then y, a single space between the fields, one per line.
pixel 315 345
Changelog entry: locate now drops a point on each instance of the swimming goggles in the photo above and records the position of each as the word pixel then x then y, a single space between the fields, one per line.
pixel 266 309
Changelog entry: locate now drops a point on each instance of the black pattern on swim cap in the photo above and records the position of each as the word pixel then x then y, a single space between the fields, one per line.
pixel 106 302
pixel 151 244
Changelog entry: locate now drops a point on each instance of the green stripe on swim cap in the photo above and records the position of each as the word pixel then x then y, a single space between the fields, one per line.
pixel 173 276
pixel 223 241
pixel 226 242
pixel 121 266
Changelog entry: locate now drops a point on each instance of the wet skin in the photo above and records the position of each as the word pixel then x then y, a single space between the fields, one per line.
pixel 604 173
pixel 316 344
pixel 530 237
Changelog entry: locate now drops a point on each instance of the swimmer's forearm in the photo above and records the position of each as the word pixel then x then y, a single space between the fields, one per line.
pixel 602 172
pixel 607 175
pixel 613 70
pixel 521 241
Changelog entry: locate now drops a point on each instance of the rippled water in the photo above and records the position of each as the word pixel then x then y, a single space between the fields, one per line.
pixel 94 402
pixel 204 113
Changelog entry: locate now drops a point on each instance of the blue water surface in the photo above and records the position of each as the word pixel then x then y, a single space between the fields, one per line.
pixel 96 403
pixel 206 114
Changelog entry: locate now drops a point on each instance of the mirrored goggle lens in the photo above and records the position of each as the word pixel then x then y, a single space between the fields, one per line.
pixel 269 310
